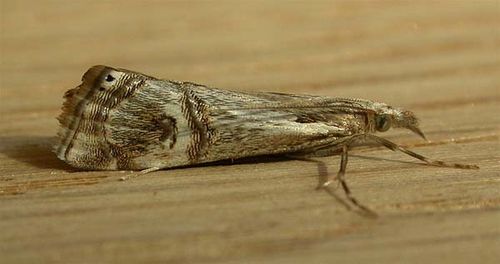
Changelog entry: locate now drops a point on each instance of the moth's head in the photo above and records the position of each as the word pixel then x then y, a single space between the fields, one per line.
pixel 387 117
pixel 82 142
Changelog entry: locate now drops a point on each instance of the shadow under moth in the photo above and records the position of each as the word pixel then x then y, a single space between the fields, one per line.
pixel 123 120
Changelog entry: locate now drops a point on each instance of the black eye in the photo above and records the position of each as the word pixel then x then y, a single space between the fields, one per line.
pixel 382 123
pixel 109 78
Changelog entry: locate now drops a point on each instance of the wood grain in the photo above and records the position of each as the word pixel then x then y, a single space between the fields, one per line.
pixel 438 58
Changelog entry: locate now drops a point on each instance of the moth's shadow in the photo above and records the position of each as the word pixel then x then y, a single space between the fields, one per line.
pixel 323 174
pixel 33 150
pixel 247 160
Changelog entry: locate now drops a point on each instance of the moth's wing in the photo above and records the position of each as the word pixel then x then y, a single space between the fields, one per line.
pixel 248 124
pixel 341 116
pixel 167 124
pixel 306 108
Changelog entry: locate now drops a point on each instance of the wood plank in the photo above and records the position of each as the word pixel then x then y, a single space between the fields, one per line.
pixel 440 59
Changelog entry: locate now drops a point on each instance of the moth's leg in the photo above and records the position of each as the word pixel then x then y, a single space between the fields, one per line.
pixel 131 176
pixel 323 177
pixel 393 146
pixel 386 143
pixel 340 177
pixel 341 173
pixel 335 148
pixel 148 170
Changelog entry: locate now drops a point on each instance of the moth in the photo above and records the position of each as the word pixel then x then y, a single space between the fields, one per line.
pixel 118 119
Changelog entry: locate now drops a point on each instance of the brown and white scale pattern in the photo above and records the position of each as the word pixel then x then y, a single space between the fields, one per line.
pixel 123 120
pixel 120 119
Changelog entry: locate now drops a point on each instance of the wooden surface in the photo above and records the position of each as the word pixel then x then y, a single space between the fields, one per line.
pixel 440 59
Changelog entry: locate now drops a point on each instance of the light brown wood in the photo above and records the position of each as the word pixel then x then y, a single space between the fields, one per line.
pixel 440 59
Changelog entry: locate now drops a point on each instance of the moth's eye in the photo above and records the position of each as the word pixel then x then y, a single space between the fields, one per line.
pixel 110 78
pixel 383 123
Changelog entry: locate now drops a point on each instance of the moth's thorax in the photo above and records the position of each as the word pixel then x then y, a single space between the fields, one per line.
pixel 355 123
pixel 82 136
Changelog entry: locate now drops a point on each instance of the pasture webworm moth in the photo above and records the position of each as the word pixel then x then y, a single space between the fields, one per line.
pixel 124 120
